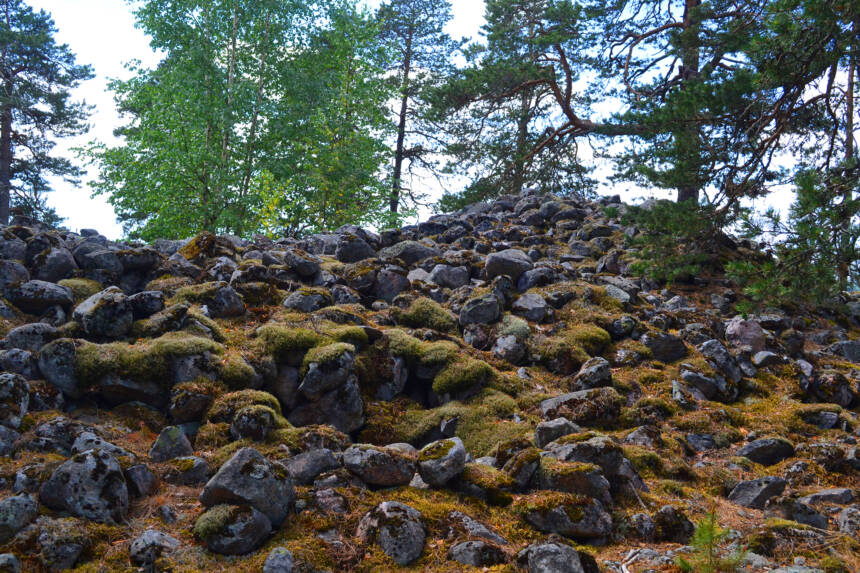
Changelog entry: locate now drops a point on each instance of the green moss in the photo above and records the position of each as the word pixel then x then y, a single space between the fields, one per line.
pixel 545 501
pixel 482 422
pixel 418 352
pixel 81 289
pixel 198 293
pixel 281 341
pixel 327 353
pixel 144 361
pixel 648 410
pixel 436 450
pixel 516 326
pixel 589 337
pixel 496 485
pixel 225 407
pixel 425 313
pixel 210 327
pixel 214 520
pixel 236 372
pixel 462 376
pixel 354 335
pixel 559 355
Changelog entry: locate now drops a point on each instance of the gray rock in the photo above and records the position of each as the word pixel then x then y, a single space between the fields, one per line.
pixel 474 528
pixel 477 554
pixel 664 347
pixel 189 470
pixel 16 512
pixel 170 443
pixel 279 560
pixel 38 296
pixel 849 520
pixel 20 362
pixel 672 525
pixel 380 467
pixel 305 467
pixel 447 276
pixel 249 478
pixel 643 526
pixel 14 399
pixel 8 437
pixel 304 264
pixel 12 273
pixel 30 337
pixel 580 518
pixel 549 431
pixel 396 528
pixel 105 314
pixel 342 408
pixel 550 558
pixel 233 529
pixel 721 360
pixel 532 307
pixel 141 481
pixel 767 451
pixel 484 309
pixel 701 442
pixel 595 373
pixel 598 406
pixel 740 332
pixel 511 262
pixel 324 376
pixel 307 301
pixel 848 349
pixel 9 563
pixel 833 387
pixel 145 304
pixel 55 265
pixel 410 252
pixel 838 495
pixel 509 349
pixel 61 542
pixel 351 249
pixel 440 462
pixel 225 302
pixel 87 440
pixel 604 452
pixel 766 358
pixel 755 493
pixel 89 485
pixel 150 545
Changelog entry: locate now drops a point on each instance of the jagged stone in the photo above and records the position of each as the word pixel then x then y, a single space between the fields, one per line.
pixel 89 485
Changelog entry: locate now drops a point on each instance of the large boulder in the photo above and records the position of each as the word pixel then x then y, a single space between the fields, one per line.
pixel 484 309
pixel 767 451
pixel 232 529
pixel 410 252
pixel 105 314
pixel 755 493
pixel 511 262
pixel 550 558
pixel 249 478
pixel 380 467
pixel 16 512
pixel 597 406
pixel 440 462
pixel 574 516
pixel 38 296
pixel 396 528
pixel 90 485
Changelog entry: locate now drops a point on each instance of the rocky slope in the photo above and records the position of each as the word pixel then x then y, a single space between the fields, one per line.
pixel 488 389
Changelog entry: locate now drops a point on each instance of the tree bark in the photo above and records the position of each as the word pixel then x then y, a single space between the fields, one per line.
pixel 5 162
pixel 522 151
pixel 396 185
pixel 687 144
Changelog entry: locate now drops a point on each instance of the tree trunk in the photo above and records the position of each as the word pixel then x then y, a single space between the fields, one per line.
pixel 5 162
pixel 687 145
pixel 396 185
pixel 522 149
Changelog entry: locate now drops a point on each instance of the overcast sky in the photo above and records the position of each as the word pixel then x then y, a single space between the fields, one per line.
pixel 102 33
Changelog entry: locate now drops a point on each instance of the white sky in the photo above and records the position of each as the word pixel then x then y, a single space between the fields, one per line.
pixel 102 33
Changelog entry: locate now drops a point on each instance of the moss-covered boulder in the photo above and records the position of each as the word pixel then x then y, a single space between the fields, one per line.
pixel 232 529
pixel 570 515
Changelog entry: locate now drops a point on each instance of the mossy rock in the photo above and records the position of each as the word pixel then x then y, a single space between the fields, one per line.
pixel 148 360
pixel 235 371
pixel 561 356
pixel 326 354
pixel 284 343
pixel 463 377
pixel 488 483
pixel 514 326
pixel 81 289
pixel 589 337
pixel 425 313
pixel 169 284
pixel 225 407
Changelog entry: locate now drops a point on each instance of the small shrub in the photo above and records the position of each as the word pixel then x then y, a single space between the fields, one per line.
pixel 706 549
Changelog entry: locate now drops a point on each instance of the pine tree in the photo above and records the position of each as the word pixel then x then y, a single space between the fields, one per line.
pixel 36 107
pixel 423 57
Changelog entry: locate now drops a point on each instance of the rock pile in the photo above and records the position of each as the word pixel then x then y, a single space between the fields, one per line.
pixel 491 387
